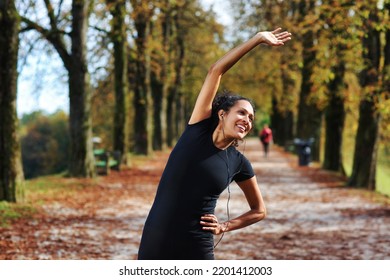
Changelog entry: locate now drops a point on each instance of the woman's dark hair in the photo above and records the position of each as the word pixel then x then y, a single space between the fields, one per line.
pixel 225 101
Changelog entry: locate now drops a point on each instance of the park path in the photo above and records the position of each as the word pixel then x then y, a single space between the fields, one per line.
pixel 310 216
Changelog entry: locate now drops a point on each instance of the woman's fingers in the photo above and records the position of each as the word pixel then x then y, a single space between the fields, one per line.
pixel 284 35
pixel 209 218
pixel 276 30
pixel 281 36
pixel 210 223
pixel 275 38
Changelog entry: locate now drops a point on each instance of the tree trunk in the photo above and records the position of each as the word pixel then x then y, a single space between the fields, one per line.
pixel 365 154
pixel 180 114
pixel 157 89
pixel 335 119
pixel 281 124
pixel 282 118
pixel 366 145
pixel 11 171
pixel 335 112
pixel 386 66
pixel 309 116
pixel 80 123
pixel 165 74
pixel 119 38
pixel 142 95
pixel 175 104
pixel 160 83
pixel 171 111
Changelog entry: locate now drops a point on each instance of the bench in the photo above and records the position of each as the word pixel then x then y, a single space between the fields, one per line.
pixel 104 161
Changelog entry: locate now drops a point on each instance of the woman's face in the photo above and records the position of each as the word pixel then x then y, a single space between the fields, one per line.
pixel 239 120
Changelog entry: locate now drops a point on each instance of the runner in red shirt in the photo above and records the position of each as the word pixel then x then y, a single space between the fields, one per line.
pixel 266 138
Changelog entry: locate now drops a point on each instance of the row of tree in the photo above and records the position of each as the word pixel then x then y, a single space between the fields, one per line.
pixel 340 42
pixel 148 43
pixel 159 52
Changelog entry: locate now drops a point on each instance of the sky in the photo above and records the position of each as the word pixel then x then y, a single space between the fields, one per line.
pixel 49 95
pixel 51 92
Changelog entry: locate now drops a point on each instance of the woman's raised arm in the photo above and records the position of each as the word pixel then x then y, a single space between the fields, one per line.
pixel 202 109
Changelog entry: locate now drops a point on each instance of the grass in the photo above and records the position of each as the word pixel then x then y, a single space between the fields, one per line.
pixel 37 192
pixel 45 185
pixel 383 179
pixel 383 164
pixel 10 212
pixel 382 175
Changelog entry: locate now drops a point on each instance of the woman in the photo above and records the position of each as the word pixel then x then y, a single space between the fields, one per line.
pixel 181 223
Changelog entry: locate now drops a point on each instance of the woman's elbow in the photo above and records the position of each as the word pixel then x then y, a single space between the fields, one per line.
pixel 215 69
pixel 261 214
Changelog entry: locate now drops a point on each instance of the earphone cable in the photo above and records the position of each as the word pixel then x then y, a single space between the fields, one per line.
pixel 228 188
pixel 228 200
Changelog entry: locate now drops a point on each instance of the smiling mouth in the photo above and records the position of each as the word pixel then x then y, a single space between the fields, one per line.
pixel 241 127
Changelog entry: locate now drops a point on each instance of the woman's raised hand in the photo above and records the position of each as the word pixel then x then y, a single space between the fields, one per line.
pixel 274 38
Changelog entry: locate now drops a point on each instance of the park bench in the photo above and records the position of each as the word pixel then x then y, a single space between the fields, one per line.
pixel 104 161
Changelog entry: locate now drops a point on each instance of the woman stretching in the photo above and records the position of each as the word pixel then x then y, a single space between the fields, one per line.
pixel 181 222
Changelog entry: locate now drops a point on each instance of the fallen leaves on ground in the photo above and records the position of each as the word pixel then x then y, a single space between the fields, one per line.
pixel 311 215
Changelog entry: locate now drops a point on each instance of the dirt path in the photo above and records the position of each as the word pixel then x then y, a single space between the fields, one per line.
pixel 310 216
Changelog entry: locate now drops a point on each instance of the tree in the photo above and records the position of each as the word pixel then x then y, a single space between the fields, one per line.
pixel 337 50
pixel 119 38
pixel 175 105
pixel 366 145
pixel 309 115
pixel 162 75
pixel 11 173
pixel 197 43
pixel 142 16
pixel 285 101
pixel 74 58
pixel 385 100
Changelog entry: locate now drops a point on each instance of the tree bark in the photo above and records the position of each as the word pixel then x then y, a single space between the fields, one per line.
pixel 366 145
pixel 161 80
pixel 281 124
pixel 143 103
pixel 119 38
pixel 11 171
pixel 386 66
pixel 309 116
pixel 335 113
pixel 335 119
pixel 175 103
pixel 80 123
pixel 282 119
pixel 157 88
pixel 165 75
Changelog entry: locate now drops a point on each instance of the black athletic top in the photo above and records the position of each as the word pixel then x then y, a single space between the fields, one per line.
pixel 196 174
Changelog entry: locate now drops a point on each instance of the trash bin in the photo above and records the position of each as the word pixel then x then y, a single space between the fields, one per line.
pixel 303 148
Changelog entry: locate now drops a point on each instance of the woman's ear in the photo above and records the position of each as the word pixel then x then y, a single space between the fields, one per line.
pixel 221 114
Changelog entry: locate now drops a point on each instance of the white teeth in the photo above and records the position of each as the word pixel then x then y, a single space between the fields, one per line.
pixel 241 127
